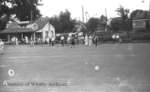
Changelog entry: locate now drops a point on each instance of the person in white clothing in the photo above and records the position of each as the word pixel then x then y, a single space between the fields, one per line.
pixel 62 38
pixel 90 40
pixel 1 46
pixel 53 41
pixel 16 41
pixel 26 40
pixel 86 40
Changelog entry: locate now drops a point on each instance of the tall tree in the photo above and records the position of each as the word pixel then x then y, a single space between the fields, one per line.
pixel 115 24
pixel 123 21
pixel 92 24
pixel 4 13
pixel 24 9
pixel 103 19
pixel 63 23
pixel 123 13
pixel 140 14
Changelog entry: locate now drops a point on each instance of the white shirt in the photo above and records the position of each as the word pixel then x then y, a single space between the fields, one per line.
pixel 62 38
pixel 53 39
pixel 69 38
pixel 1 44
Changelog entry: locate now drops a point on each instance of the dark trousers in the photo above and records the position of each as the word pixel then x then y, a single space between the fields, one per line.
pixel 52 42
pixel 62 42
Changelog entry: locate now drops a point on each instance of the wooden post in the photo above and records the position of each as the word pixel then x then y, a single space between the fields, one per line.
pixel 21 36
pixel 82 13
pixel 8 38
pixel 34 36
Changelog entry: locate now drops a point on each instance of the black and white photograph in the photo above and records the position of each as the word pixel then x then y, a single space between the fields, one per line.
pixel 74 45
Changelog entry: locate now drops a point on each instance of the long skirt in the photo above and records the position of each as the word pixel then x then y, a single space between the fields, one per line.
pixel 86 42
pixel 90 42
pixel 1 50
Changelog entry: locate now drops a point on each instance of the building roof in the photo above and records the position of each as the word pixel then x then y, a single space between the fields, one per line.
pixel 141 20
pixel 41 22
pixel 13 25
pixel 17 30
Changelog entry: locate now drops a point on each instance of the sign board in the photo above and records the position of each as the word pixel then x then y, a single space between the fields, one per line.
pixel 139 24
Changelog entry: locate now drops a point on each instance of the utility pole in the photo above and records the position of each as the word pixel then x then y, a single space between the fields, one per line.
pixel 86 15
pixel 105 12
pixel 106 19
pixel 149 5
pixel 82 13
pixel 31 15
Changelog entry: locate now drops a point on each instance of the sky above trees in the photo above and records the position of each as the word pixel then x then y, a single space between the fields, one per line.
pixel 93 8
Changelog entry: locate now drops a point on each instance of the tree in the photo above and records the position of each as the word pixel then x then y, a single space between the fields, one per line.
pixel 140 14
pixel 63 23
pixel 4 13
pixel 92 24
pixel 123 20
pixel 25 10
pixel 65 20
pixel 114 24
pixel 96 24
pixel 117 24
pixel 55 22
pixel 103 19
pixel 123 13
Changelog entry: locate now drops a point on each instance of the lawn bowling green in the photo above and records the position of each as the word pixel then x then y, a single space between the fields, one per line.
pixel 106 68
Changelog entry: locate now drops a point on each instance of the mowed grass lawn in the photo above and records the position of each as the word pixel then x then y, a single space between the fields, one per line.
pixel 107 68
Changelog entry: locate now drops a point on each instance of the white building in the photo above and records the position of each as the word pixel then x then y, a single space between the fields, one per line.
pixel 39 29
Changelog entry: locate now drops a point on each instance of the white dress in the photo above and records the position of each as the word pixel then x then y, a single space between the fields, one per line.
pixel 1 47
pixel 26 40
pixel 90 40
pixel 86 40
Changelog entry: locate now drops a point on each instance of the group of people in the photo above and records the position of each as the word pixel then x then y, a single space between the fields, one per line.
pixel 15 41
pixel 88 40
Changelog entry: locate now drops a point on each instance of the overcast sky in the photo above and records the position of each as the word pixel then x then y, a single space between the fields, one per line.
pixel 94 7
